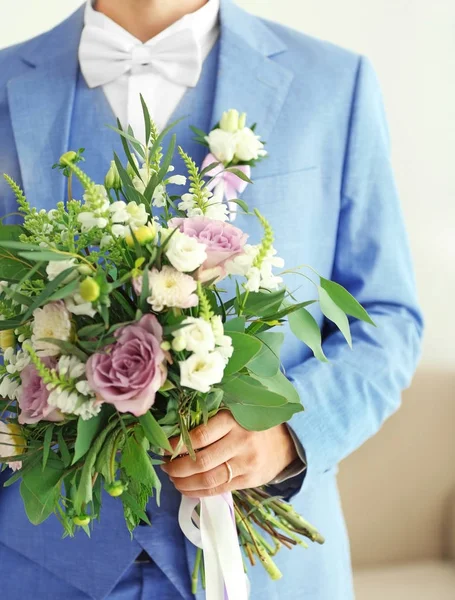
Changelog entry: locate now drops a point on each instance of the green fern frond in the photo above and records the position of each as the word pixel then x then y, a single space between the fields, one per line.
pixel 22 203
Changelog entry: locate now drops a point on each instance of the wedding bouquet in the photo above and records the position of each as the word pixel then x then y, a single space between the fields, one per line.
pixel 117 336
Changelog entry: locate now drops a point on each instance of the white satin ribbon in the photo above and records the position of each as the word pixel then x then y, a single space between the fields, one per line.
pixel 216 534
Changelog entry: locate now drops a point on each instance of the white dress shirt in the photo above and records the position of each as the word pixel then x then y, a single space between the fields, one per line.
pixel 162 95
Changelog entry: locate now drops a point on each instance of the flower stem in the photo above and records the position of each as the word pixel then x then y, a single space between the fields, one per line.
pixel 196 570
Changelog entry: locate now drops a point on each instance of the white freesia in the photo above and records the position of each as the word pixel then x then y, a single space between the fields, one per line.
pixel 51 321
pixel 118 212
pixel 71 367
pixel 222 144
pixel 140 183
pixel 248 145
pixel 197 335
pixel 73 402
pixel 15 361
pixel 223 342
pixel 55 267
pixel 159 196
pixel 10 388
pixel 170 288
pixel 119 231
pixel 89 220
pixel 137 214
pixel 200 371
pixel 257 277
pixel 177 180
pixel 185 253
pixel 78 306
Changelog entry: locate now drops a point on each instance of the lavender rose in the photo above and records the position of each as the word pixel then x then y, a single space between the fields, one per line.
pixel 130 372
pixel 34 395
pixel 223 242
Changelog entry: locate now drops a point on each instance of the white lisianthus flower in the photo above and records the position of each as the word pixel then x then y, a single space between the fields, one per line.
pixel 201 371
pixel 185 253
pixel 171 288
pixel 197 335
pixel 222 144
pixel 12 443
pixel 55 267
pixel 51 321
pixel 248 145
pixel 78 306
pixel 137 214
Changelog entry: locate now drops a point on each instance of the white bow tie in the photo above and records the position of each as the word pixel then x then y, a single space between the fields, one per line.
pixel 105 57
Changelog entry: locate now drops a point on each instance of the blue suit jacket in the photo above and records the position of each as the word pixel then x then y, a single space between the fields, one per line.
pixel 328 190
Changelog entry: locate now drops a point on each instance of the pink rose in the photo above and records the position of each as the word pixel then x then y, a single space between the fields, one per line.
pixel 34 395
pixel 223 242
pixel 130 372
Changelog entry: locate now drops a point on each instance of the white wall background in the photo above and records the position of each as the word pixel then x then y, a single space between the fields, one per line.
pixel 412 45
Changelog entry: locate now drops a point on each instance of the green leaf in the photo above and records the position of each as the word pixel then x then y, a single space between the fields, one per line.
pixel 147 120
pixel 91 330
pixel 86 432
pixel 47 444
pixel 40 490
pixel 153 432
pixel 263 304
pixel 235 324
pixel 334 314
pixel 65 291
pixel 240 174
pixel 131 194
pixel 43 255
pixel 12 266
pixel 66 347
pixel 63 448
pixel 304 326
pixel 137 464
pixel 267 362
pixel 132 503
pixel 209 168
pixel 254 407
pixel 245 348
pixel 346 301
pixel 126 148
pixel 281 385
pixel 243 205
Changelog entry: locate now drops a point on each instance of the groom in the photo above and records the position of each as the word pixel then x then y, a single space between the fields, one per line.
pixel 328 190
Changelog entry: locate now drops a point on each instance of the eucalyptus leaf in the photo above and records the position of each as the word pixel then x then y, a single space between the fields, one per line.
pixel 304 326
pixel 345 301
pixel 245 348
pixel 153 432
pixel 86 432
pixel 267 362
pixel 335 314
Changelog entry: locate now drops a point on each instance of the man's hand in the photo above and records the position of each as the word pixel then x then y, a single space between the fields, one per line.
pixel 255 457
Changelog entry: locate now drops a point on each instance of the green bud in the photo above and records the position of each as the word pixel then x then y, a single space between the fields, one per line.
pixel 82 520
pixel 116 489
pixel 166 346
pixel 129 168
pixel 68 157
pixel 230 121
pixel 178 344
pixel 112 180
pixel 242 121
pixel 89 289
pixel 85 270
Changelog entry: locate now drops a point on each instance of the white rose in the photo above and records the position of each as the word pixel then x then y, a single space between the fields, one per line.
pixel 55 267
pixel 197 334
pixel 201 371
pixel 185 253
pixel 51 321
pixel 248 145
pixel 222 144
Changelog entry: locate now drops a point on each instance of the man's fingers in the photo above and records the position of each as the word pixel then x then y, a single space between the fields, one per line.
pixel 204 435
pixel 206 459
pixel 211 479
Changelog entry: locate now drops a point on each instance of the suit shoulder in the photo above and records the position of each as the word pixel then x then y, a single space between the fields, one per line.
pixel 321 55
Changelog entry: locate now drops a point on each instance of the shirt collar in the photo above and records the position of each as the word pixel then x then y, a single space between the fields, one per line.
pixel 204 22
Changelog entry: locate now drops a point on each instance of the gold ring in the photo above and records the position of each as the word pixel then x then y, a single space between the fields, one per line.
pixel 231 474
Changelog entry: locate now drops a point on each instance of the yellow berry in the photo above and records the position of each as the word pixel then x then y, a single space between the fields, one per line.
pixel 81 520
pixel 89 290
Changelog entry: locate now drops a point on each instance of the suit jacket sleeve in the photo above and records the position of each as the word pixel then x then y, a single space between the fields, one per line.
pixel 348 399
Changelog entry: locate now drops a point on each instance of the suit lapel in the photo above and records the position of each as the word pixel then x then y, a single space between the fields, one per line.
pixel 40 102
pixel 248 79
